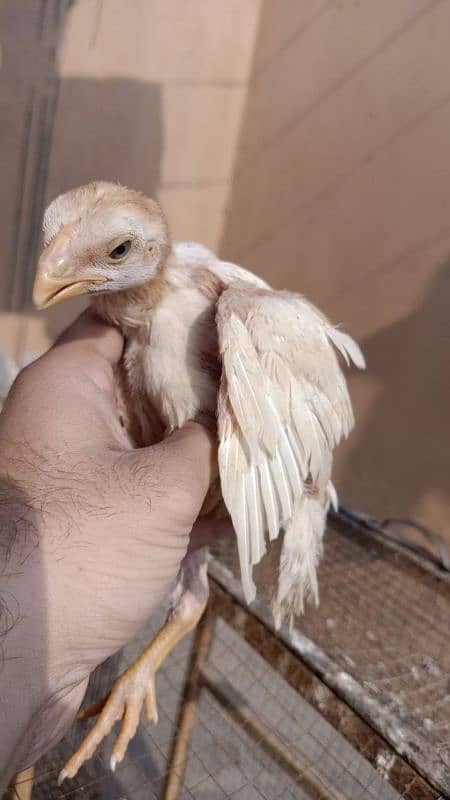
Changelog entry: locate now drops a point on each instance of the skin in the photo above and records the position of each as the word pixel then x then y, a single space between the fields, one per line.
pixel 92 533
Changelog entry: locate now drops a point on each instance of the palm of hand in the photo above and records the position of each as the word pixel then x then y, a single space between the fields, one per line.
pixel 97 565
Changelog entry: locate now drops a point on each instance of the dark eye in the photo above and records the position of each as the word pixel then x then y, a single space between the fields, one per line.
pixel 120 251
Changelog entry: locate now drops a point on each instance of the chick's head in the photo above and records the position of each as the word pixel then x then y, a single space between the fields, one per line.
pixel 99 238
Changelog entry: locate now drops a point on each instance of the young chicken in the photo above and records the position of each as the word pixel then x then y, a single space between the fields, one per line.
pixel 206 336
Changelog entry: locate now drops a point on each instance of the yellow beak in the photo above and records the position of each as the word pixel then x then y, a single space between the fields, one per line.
pixel 47 291
pixel 50 287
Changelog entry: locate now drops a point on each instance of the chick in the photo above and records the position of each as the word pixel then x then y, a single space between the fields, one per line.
pixel 203 336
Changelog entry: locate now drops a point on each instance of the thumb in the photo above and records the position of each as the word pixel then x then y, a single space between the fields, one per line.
pixel 183 466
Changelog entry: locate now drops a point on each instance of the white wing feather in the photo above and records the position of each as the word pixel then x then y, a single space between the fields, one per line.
pixel 283 406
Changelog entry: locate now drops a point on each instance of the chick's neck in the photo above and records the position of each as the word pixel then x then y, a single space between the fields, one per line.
pixel 132 308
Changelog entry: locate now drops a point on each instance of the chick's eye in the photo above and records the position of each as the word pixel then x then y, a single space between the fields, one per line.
pixel 120 251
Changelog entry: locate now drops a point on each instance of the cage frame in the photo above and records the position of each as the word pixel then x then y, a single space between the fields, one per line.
pixel 402 776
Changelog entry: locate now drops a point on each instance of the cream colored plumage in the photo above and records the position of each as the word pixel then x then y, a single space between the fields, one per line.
pixel 203 335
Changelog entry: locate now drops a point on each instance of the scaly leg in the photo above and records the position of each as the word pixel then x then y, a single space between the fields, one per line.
pixel 137 684
pixel 22 786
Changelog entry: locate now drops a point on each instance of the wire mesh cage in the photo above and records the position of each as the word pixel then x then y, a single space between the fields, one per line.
pixel 352 703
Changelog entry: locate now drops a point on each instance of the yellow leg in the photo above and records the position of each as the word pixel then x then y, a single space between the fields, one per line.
pixel 137 684
pixel 23 785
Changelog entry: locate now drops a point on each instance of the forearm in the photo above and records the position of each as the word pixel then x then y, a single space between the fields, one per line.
pixel 19 687
pixel 22 672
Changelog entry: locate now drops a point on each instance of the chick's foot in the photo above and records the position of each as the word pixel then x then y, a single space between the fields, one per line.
pixel 136 686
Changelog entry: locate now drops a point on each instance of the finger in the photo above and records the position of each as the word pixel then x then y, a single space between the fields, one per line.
pixel 89 331
pixel 67 395
pixel 195 444
pixel 183 466
pixel 89 348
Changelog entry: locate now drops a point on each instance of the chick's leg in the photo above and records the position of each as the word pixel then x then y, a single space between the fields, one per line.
pixel 136 685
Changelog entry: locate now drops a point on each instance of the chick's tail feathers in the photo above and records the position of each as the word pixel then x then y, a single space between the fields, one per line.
pixel 300 555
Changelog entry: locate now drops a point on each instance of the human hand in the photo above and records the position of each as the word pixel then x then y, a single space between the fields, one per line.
pixel 92 532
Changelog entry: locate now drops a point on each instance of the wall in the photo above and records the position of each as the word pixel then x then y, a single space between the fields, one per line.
pixel 150 93
pixel 341 190
pixel 307 140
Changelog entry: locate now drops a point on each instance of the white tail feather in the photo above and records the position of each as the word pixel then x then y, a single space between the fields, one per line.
pixel 300 554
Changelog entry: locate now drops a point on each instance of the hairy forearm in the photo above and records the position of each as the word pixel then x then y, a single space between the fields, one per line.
pixel 22 678
pixel 16 699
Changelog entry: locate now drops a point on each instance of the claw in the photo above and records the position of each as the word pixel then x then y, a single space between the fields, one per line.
pixel 137 684
pixel 112 709
pixel 124 702
pixel 62 777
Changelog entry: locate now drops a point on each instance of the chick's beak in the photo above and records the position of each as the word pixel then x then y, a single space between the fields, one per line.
pixel 53 282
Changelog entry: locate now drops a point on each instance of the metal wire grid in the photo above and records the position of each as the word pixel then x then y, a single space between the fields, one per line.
pixel 385 622
pixel 325 762
pixel 365 622
pixel 389 629
pixel 225 761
